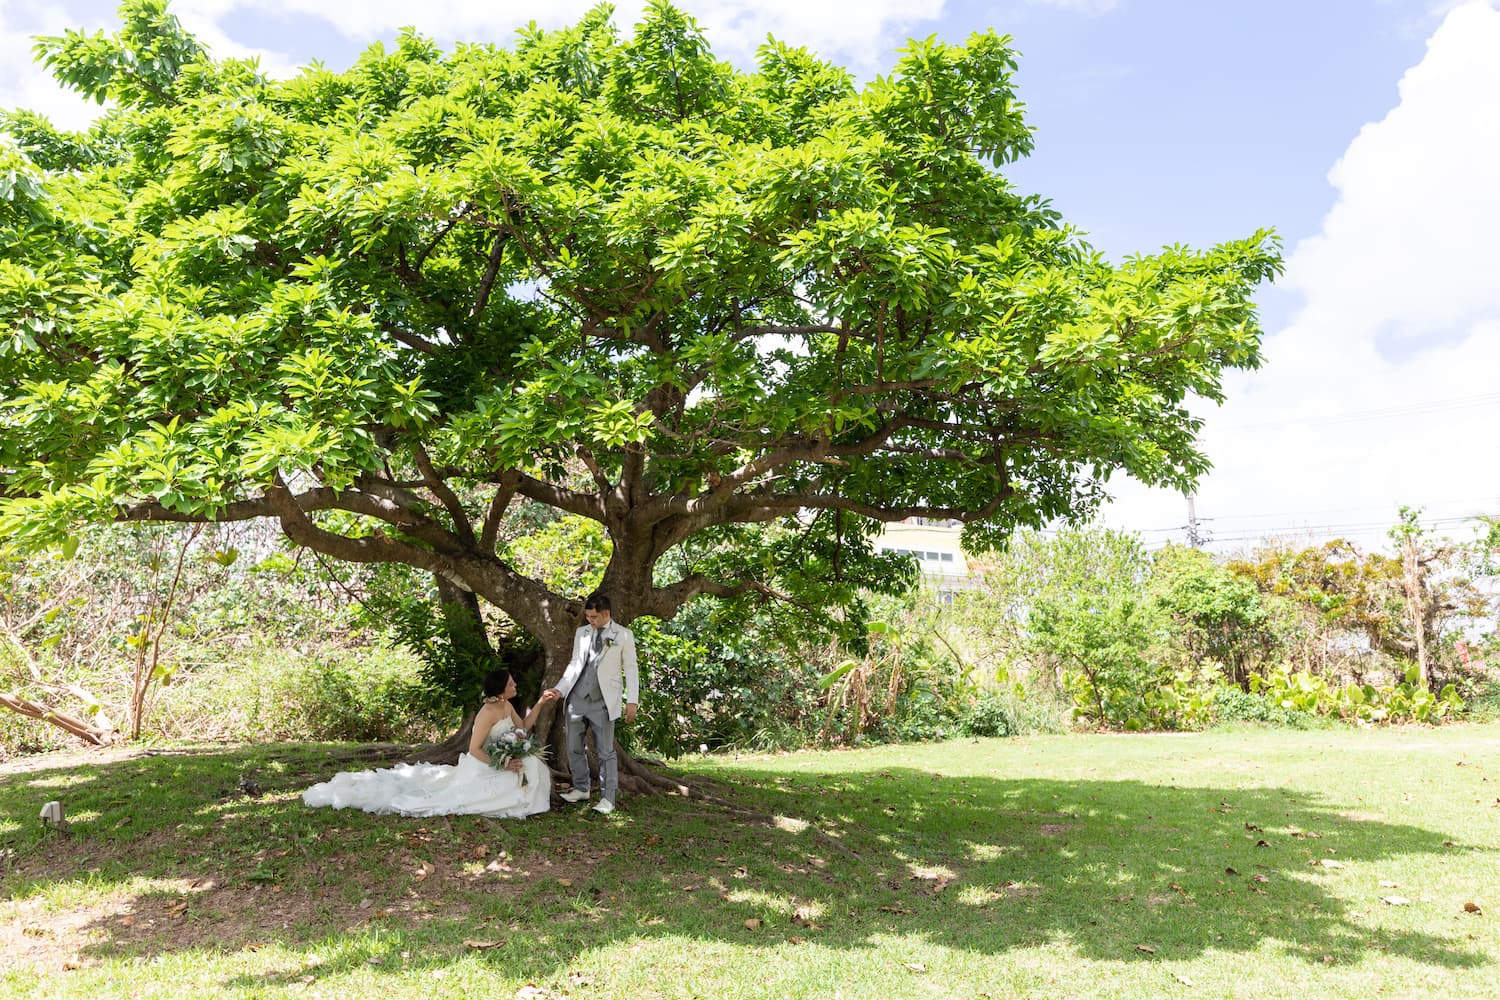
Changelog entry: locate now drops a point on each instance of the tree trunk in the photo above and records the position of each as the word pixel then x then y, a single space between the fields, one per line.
pixel 636 776
pixel 71 724
pixel 463 624
pixel 1416 607
pixel 462 617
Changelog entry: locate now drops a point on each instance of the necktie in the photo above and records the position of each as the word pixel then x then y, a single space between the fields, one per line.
pixel 598 641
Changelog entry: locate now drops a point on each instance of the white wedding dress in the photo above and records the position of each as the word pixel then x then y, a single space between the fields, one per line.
pixel 466 788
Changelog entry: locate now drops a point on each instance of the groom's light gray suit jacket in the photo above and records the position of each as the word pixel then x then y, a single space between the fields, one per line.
pixel 617 671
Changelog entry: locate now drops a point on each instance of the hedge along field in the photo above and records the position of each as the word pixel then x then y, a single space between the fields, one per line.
pixel 1266 863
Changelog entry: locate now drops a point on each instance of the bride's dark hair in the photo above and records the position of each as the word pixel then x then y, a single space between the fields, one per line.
pixel 495 682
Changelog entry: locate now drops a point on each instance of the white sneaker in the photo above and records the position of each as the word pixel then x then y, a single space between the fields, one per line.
pixel 574 795
pixel 604 806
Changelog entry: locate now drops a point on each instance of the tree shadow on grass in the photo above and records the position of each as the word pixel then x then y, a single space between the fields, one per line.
pixel 979 864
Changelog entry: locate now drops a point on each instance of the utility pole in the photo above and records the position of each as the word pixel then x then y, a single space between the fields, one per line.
pixel 1194 538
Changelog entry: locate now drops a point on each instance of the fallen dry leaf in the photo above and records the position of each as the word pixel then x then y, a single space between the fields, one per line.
pixel 1473 908
pixel 1259 878
pixel 894 909
pixel 564 882
pixel 916 966
pixel 1330 863
pixel 1230 871
pixel 1145 948
pixel 794 939
pixel 1388 884
pixel 1184 980
pixel 752 924
pixel 1394 900
pixel 484 945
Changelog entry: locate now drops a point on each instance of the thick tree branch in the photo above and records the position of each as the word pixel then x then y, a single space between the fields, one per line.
pixel 240 510
pixel 440 489
pixel 487 283
pixel 570 501
pixel 411 340
pixel 586 456
pixel 490 534
pixel 377 548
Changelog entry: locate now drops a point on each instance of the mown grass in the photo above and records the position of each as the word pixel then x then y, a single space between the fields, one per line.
pixel 1187 865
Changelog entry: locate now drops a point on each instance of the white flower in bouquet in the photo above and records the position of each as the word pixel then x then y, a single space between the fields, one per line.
pixel 513 744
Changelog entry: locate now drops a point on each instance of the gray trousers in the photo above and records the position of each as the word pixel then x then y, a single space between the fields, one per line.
pixel 592 714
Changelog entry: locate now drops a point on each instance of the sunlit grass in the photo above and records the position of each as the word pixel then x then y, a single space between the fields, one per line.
pixel 1050 866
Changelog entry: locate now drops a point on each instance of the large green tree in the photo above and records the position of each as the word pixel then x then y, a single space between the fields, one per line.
pixel 610 275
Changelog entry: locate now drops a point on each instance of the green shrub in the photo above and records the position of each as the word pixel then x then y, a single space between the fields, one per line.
pixel 988 715
pixel 372 696
pixel 1405 701
pixel 1138 702
pixel 922 713
pixel 361 693
pixel 744 689
pixel 1234 705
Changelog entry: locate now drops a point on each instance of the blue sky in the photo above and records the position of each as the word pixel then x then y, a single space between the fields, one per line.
pixel 1364 131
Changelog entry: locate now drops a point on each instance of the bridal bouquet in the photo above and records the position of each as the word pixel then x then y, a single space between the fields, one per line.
pixel 514 744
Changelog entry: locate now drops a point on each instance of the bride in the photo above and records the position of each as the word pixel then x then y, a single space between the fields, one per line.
pixel 469 787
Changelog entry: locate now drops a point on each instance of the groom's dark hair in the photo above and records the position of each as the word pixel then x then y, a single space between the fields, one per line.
pixel 597 601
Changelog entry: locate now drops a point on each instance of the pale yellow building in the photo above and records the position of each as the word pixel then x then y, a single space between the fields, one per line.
pixel 935 544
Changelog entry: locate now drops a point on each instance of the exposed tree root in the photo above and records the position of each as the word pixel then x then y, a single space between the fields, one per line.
pixel 88 733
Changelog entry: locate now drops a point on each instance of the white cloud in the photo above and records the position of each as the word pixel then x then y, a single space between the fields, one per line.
pixel 1411 188
pixel 24 84
pixel 857 33
pixel 860 34
pixel 1081 6
pixel 1381 389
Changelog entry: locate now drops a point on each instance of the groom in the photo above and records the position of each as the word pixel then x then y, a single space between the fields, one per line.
pixel 603 663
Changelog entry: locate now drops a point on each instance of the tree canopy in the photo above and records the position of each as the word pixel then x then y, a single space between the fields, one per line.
pixel 605 273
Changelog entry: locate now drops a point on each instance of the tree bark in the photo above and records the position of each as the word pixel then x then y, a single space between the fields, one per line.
pixel 463 621
pixel 77 727
pixel 1416 606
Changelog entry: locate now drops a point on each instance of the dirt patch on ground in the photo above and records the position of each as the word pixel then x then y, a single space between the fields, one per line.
pixel 184 914
pixel 1054 829
pixel 76 757
pixel 217 903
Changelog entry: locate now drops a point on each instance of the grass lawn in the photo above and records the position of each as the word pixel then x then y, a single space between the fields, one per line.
pixel 1257 864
